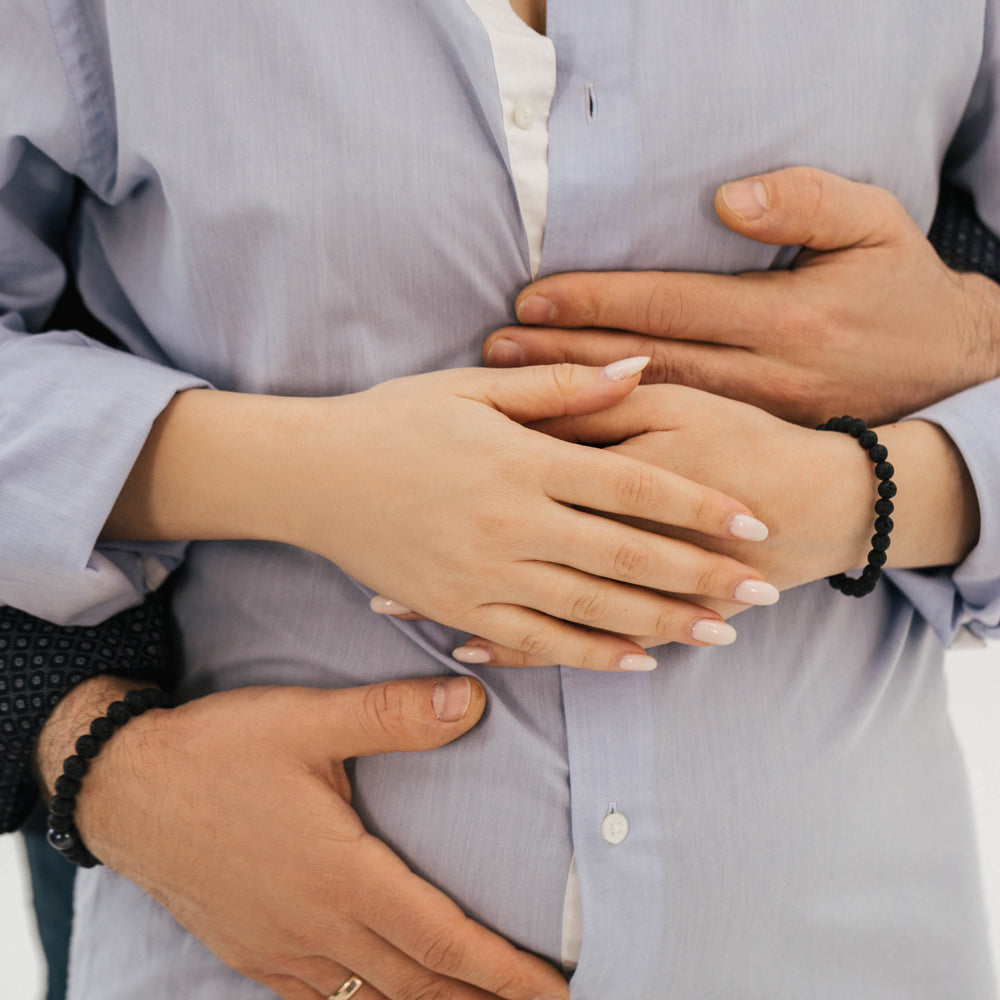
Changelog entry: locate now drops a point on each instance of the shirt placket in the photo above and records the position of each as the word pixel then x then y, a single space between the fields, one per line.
pixel 609 718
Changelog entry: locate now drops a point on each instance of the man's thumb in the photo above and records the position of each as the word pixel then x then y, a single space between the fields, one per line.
pixel 542 391
pixel 414 714
pixel 812 208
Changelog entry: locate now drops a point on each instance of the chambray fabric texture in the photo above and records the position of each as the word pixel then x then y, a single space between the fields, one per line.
pixel 315 199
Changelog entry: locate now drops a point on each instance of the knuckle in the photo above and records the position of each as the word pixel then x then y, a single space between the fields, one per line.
pixel 705 582
pixel 660 369
pixel 632 561
pixel 665 624
pixel 665 310
pixel 588 606
pixel 383 706
pixel 636 490
pixel 443 952
pixel 533 644
pixel 564 377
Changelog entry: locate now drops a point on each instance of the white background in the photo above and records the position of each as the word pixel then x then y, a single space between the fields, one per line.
pixel 974 679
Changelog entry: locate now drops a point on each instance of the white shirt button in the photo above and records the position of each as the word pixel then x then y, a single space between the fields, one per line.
pixel 525 113
pixel 614 827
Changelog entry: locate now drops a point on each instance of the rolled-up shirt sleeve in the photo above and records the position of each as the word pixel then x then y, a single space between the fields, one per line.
pixel 966 597
pixel 74 413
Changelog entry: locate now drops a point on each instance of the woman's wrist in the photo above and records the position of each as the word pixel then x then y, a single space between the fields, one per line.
pixel 218 465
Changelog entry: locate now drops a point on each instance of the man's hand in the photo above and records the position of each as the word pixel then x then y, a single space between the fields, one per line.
pixel 868 321
pixel 301 897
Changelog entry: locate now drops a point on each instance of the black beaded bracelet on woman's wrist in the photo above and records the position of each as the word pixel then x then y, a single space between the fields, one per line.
pixel 62 832
pixel 872 573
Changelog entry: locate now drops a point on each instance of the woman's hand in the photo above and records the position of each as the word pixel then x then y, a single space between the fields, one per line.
pixel 816 490
pixel 302 897
pixel 429 488
pixel 868 321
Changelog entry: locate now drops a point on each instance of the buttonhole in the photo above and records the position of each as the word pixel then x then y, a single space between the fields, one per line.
pixel 591 104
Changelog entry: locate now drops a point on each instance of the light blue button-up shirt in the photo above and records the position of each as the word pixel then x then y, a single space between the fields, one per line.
pixel 313 197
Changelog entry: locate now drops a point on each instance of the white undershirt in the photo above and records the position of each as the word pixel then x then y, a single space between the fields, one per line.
pixel 525 64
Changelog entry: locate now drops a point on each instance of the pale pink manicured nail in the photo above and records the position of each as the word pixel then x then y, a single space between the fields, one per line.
pixel 451 699
pixel 505 353
pixel 618 371
pixel 755 592
pixel 747 198
pixel 714 633
pixel 387 606
pixel 746 527
pixel 635 661
pixel 471 654
pixel 535 309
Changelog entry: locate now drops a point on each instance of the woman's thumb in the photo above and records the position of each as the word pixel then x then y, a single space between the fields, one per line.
pixel 540 391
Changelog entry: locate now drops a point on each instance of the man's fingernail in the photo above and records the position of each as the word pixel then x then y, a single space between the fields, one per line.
pixel 451 699
pixel 535 309
pixel 748 528
pixel 755 592
pixel 618 371
pixel 471 654
pixel 387 606
pixel 505 354
pixel 748 199
pixel 712 632
pixel 636 662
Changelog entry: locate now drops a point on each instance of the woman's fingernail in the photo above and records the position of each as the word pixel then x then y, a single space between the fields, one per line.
pixel 755 592
pixel 451 699
pixel 618 371
pixel 505 354
pixel 747 198
pixel 471 654
pixel 387 606
pixel 535 310
pixel 637 662
pixel 746 527
pixel 712 632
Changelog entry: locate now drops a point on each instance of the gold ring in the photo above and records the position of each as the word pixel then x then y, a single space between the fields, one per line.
pixel 348 989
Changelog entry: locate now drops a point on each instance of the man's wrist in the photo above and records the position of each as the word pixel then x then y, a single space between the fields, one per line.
pixel 71 718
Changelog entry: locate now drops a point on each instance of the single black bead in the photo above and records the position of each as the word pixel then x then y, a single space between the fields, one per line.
pixel 61 840
pixel 88 746
pixel 881 542
pixel 884 470
pixel 119 713
pixel 61 805
pixel 884 507
pixel 75 767
pixel 868 439
pixel 67 786
pixel 887 490
pixel 136 702
pixel 876 558
pixel 60 823
pixel 857 428
pixel 871 573
pixel 884 525
pixel 102 728
pixel 844 424
pixel 878 453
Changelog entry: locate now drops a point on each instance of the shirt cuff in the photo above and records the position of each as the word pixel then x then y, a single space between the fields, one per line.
pixel 967 596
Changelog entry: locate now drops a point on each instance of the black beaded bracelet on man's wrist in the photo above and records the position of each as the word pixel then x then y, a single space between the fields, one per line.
pixel 62 832
pixel 872 573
